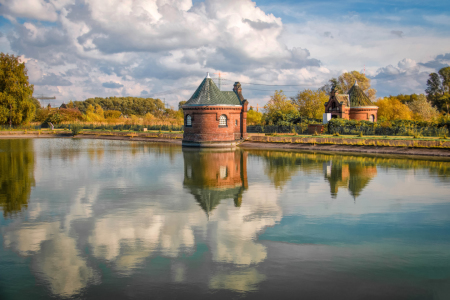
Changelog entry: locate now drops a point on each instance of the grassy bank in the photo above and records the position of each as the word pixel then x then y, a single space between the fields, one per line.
pixel 377 141
pixel 88 132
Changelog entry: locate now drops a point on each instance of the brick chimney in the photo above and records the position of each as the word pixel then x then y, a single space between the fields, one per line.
pixel 333 91
pixel 238 90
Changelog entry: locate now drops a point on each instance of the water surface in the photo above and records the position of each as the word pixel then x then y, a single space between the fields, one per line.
pixel 97 219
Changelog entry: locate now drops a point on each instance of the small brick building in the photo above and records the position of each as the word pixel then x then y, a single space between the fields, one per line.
pixel 352 106
pixel 213 118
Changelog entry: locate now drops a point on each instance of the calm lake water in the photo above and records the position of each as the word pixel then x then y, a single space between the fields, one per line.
pixel 95 219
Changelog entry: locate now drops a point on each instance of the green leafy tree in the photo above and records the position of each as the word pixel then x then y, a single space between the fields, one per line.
pixel 126 105
pixel 434 85
pixel 445 77
pixel 422 109
pixel 280 110
pixel 311 104
pixel 41 115
pixel 405 99
pixel 438 89
pixel 332 83
pixel 16 105
pixel 443 102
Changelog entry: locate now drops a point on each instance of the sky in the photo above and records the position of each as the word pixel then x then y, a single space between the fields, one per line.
pixel 77 49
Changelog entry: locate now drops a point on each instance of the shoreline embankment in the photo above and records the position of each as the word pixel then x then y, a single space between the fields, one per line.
pixel 351 145
pixel 431 148
pixel 173 138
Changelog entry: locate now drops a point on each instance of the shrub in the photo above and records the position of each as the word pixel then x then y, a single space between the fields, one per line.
pixel 76 128
pixel 54 118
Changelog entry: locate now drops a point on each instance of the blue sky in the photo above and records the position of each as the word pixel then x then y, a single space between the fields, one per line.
pixel 79 49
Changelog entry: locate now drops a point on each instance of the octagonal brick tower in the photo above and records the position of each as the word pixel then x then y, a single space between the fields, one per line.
pixel 213 118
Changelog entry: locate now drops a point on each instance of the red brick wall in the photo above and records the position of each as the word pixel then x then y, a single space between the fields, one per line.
pixel 342 112
pixel 244 120
pixel 363 114
pixel 312 128
pixel 205 123
pixel 206 167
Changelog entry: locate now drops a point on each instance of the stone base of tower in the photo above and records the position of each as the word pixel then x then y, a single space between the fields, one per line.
pixel 211 144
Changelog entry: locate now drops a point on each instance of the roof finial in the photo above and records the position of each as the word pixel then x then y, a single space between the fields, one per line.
pixel 207 75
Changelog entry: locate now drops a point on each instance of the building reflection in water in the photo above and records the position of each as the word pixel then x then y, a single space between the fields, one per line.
pixel 215 175
pixel 353 175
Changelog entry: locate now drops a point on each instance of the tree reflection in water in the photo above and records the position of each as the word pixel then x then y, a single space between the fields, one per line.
pixel 17 174
pixel 351 172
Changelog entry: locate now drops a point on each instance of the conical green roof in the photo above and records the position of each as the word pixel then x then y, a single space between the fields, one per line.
pixel 358 97
pixel 209 94
pixel 209 199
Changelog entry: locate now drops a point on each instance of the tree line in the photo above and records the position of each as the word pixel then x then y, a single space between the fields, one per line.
pixel 310 104
pixel 17 106
pixel 126 105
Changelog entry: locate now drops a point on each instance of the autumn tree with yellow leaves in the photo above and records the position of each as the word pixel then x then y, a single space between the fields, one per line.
pixel 280 110
pixel 392 109
pixel 311 104
pixel 253 117
pixel 345 82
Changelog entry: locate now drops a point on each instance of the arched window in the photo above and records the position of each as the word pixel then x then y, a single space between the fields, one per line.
pixel 371 118
pixel 236 122
pixel 223 120
pixel 223 172
pixel 188 120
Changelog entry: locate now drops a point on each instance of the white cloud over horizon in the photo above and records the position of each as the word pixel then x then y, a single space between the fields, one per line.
pixel 96 48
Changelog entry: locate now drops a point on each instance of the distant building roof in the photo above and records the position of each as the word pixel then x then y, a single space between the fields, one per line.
pixel 358 97
pixel 209 94
pixel 343 98
pixel 63 105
